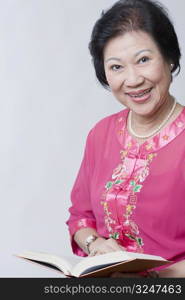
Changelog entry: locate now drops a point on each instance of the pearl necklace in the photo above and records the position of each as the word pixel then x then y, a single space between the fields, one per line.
pixel 154 131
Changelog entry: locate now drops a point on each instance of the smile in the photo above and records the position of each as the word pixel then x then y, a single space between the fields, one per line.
pixel 139 94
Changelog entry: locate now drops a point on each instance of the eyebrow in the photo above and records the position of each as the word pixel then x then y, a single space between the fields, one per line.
pixel 137 53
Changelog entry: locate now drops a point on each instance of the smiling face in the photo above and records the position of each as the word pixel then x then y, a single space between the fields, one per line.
pixel 137 73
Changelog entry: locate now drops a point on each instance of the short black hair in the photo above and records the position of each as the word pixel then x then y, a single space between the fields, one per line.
pixel 127 15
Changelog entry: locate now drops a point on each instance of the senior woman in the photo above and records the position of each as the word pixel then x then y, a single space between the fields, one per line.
pixel 130 190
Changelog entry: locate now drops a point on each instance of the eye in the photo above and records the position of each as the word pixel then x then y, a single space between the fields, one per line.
pixel 143 59
pixel 115 67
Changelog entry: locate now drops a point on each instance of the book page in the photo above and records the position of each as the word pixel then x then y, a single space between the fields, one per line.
pixel 64 263
pixel 144 256
pixel 97 262
pixel 76 265
pixel 73 260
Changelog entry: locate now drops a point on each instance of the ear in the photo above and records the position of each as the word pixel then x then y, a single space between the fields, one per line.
pixel 171 66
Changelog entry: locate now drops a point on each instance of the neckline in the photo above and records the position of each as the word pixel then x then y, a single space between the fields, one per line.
pixel 159 140
pixel 142 138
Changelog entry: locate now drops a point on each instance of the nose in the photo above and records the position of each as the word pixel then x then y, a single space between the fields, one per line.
pixel 133 77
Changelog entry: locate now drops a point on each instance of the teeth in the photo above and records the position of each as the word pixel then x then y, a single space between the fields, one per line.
pixel 140 95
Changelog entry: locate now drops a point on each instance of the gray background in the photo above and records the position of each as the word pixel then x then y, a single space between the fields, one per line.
pixel 49 100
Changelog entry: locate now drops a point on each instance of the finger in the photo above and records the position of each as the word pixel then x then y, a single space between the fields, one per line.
pixel 123 248
pixel 93 253
pixel 108 246
pixel 115 245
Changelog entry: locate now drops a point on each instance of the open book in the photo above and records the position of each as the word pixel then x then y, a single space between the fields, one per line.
pixel 97 266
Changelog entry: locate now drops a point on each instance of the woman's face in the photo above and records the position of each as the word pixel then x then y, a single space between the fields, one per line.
pixel 137 73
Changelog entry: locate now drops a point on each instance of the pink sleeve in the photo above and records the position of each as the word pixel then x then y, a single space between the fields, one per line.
pixel 81 215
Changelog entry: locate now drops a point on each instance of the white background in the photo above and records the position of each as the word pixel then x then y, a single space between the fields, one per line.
pixel 49 100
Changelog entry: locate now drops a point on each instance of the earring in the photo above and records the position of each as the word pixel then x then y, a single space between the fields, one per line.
pixel 171 65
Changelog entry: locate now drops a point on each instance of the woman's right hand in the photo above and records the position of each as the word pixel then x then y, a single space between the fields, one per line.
pixel 102 246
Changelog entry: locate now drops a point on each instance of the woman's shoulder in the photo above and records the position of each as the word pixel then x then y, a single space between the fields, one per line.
pixel 105 127
pixel 110 120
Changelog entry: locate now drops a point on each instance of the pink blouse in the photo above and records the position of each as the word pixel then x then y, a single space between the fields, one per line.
pixel 133 193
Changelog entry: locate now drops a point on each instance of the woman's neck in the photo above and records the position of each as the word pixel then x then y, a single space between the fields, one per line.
pixel 145 124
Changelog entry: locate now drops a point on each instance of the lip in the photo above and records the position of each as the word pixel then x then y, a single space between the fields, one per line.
pixel 134 93
pixel 141 99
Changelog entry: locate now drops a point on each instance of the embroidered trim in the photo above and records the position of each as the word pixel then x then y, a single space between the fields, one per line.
pixel 125 231
pixel 121 191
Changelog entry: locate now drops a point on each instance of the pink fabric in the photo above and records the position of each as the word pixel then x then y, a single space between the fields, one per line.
pixel 134 193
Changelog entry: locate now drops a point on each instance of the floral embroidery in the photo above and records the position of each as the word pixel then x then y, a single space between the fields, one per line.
pixel 129 145
pixel 151 156
pixel 144 173
pixel 136 187
pixel 108 219
pixel 149 146
pixel 125 229
pixel 123 154
pixel 81 223
pixel 119 171
pixel 115 235
pixel 120 132
pixel 120 194
pixel 180 124
pixel 165 137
